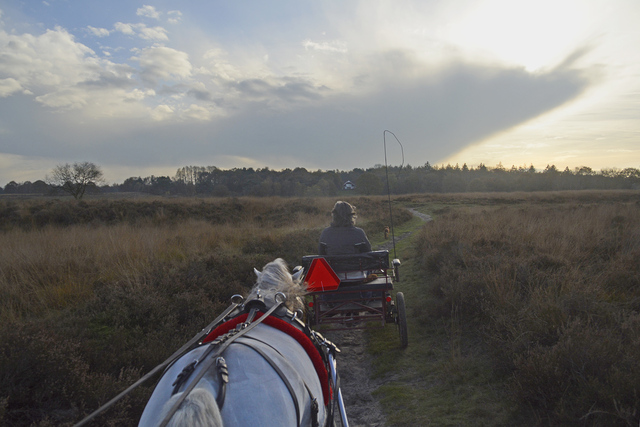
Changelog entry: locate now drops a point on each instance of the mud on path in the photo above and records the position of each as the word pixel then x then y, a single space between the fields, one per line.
pixel 355 367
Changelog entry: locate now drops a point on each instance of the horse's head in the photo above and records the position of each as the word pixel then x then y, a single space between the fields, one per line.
pixel 275 277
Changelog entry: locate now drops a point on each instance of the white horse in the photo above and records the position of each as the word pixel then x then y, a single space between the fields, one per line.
pixel 273 376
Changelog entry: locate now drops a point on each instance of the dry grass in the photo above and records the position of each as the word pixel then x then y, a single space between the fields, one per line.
pixel 51 267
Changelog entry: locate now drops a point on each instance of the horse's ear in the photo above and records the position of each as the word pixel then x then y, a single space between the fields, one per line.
pixel 296 275
pixel 255 270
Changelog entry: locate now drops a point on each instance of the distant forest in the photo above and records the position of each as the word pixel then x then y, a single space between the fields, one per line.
pixel 300 182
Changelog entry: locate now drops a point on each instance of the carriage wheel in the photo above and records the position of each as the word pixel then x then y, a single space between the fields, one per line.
pixel 402 320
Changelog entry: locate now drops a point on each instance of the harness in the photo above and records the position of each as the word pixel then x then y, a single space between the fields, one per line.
pixel 215 349
pixel 320 351
pixel 284 320
pixel 285 378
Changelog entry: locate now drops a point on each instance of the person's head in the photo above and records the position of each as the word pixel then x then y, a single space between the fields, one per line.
pixel 343 214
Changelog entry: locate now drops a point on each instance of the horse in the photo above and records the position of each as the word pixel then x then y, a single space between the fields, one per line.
pixel 272 375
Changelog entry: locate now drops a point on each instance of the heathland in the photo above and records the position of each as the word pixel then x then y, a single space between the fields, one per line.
pixel 524 308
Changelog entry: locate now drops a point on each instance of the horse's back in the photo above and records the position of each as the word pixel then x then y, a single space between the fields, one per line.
pixel 256 394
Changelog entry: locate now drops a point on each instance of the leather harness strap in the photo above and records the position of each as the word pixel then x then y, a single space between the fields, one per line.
pixel 284 378
pixel 215 349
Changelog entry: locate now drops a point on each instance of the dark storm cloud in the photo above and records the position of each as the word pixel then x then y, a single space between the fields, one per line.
pixel 435 114
pixel 286 89
pixel 200 95
pixel 119 77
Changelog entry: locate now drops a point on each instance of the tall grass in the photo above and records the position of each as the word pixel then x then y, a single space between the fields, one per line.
pixel 554 289
pixel 97 293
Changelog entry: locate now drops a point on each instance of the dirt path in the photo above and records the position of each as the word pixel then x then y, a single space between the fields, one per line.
pixel 354 367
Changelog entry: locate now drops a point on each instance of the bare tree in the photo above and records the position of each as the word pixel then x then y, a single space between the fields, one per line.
pixel 75 179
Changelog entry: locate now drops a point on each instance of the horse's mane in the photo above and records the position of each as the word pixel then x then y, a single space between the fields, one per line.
pixel 275 277
pixel 199 409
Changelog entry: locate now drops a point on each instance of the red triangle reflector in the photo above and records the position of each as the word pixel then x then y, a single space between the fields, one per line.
pixel 321 277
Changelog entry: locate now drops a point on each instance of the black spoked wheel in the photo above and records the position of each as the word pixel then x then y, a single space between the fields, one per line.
pixel 402 320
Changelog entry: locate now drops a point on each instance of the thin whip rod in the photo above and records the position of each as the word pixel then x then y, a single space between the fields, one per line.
pixel 384 137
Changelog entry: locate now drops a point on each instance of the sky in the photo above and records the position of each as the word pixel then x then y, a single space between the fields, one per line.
pixel 144 88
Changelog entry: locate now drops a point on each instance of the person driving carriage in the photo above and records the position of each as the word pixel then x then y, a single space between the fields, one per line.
pixel 342 236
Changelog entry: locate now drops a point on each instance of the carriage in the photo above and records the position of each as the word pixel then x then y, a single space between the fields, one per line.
pixel 354 291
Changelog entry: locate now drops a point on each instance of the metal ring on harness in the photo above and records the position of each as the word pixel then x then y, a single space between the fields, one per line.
pixel 280 298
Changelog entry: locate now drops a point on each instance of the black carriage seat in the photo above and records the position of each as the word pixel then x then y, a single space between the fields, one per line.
pixel 354 268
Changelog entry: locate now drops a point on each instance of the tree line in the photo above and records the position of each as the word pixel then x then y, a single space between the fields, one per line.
pixel 300 182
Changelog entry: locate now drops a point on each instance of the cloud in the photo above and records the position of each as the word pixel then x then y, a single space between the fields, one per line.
pixel 142 31
pixel 51 60
pixel 65 75
pixel 324 106
pixel 148 11
pixel 175 16
pixel 98 32
pixel 433 115
pixel 330 46
pixel 161 112
pixel 153 33
pixel 69 98
pixel 277 94
pixel 9 86
pixel 124 28
pixel 163 63
pixel 138 95
pixel 197 112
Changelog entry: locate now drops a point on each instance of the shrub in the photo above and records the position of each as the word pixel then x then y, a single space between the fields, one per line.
pixel 554 292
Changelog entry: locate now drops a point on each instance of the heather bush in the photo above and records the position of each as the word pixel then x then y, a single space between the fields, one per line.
pixel 554 290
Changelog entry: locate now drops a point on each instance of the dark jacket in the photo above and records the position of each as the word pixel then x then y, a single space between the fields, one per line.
pixel 343 240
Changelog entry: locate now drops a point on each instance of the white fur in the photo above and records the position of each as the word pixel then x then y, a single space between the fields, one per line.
pixel 274 278
pixel 199 409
